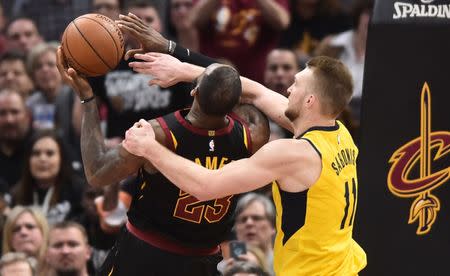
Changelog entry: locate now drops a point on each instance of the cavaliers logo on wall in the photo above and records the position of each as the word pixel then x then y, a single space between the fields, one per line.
pixel 419 155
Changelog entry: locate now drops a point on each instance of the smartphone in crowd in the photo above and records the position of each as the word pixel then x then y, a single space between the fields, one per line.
pixel 237 248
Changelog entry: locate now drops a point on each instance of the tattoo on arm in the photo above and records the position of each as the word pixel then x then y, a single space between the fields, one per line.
pixel 103 166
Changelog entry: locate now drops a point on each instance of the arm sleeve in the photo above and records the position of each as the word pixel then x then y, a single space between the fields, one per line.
pixel 186 55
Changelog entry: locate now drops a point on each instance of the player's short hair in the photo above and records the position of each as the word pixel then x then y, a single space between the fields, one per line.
pixel 219 90
pixel 334 83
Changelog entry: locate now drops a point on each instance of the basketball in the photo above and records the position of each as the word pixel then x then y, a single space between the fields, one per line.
pixel 92 44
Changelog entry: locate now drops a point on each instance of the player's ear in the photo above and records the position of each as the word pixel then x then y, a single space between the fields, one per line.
pixel 194 91
pixel 310 99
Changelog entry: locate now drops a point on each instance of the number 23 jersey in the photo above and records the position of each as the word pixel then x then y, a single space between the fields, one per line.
pixel 159 205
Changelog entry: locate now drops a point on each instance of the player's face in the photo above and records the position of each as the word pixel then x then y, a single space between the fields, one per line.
pixel 46 73
pixel 13 75
pixel 297 94
pixel 280 70
pixel 23 35
pixel 179 13
pixel 45 160
pixel 26 235
pixel 68 250
pixel 14 119
pixel 253 226
pixel 149 15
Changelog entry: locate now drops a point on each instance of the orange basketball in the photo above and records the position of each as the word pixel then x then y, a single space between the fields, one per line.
pixel 92 44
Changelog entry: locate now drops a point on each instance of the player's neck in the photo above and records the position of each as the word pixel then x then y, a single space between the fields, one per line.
pixel 200 120
pixel 301 125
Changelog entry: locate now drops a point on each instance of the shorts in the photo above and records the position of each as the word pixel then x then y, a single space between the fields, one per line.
pixel 132 256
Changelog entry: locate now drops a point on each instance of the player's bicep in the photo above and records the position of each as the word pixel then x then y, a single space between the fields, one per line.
pixel 250 173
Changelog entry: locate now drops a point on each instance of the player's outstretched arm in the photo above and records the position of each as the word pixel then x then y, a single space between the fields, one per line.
pixel 165 69
pixel 273 104
pixel 239 176
pixel 168 70
pixel 102 166
pixel 152 41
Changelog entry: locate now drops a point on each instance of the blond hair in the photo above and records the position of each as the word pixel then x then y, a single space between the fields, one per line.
pixel 334 83
pixel 11 219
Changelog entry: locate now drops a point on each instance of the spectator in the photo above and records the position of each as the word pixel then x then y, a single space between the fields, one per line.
pixel 281 67
pixel 22 34
pixel 241 31
pixel 244 269
pixel 47 179
pixel 254 255
pixel 17 264
pixel 350 48
pixel 14 74
pixel 311 21
pixel 49 85
pixel 255 223
pixel 68 249
pixel 110 8
pixel 26 231
pixel 14 133
pixel 57 15
pixel 179 24
pixel 2 33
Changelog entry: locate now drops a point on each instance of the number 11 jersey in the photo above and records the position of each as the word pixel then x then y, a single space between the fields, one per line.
pixel 314 227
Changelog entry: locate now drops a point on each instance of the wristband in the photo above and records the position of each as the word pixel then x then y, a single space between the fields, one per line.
pixel 88 99
pixel 171 47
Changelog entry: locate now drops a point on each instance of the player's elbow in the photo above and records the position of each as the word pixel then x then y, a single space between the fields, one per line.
pixel 213 188
pixel 202 193
pixel 94 180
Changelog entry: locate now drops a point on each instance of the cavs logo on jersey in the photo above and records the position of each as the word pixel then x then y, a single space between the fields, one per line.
pixel 421 153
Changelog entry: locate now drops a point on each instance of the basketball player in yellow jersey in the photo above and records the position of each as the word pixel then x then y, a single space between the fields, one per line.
pixel 315 183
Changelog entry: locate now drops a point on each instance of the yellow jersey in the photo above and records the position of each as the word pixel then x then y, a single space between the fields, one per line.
pixel 314 227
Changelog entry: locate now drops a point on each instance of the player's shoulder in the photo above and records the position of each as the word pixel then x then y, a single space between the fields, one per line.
pixel 160 135
pixel 257 123
pixel 291 149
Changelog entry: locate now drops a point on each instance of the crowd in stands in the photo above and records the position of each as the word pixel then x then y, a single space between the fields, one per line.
pixel 52 221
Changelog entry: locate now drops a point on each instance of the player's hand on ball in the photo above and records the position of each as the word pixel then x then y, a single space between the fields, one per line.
pixel 71 77
pixel 150 39
pixel 162 67
pixel 139 138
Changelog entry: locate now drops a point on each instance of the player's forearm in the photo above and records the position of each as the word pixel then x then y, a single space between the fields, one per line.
pixel 269 102
pixel 274 14
pixel 92 141
pixel 189 72
pixel 102 166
